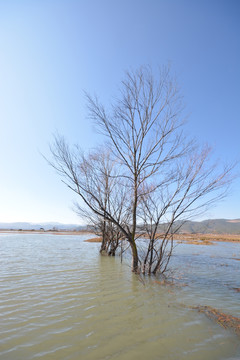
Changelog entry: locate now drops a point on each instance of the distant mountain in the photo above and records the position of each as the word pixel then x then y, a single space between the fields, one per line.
pixel 212 226
pixel 45 226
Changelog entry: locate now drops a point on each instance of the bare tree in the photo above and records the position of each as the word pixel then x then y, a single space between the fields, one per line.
pixel 145 134
pixel 191 188
pixel 94 178
pixel 160 176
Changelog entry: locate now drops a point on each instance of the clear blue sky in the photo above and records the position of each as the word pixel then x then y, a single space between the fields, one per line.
pixel 51 51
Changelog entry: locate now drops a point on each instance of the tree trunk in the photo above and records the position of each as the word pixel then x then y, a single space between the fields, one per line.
pixel 134 257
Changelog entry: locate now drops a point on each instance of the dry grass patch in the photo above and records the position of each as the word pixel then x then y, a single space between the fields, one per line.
pixel 94 240
pixel 206 239
pixel 225 320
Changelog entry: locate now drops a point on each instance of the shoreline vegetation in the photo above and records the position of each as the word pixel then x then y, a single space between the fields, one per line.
pixel 228 322
pixel 195 239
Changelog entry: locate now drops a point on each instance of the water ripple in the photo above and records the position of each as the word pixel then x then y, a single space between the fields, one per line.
pixel 60 300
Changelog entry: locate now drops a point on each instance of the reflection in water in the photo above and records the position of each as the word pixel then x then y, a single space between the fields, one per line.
pixel 60 300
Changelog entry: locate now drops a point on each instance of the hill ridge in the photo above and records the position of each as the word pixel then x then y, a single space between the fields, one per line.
pixel 208 226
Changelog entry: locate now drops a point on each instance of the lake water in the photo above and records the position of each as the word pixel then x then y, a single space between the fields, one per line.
pixel 60 300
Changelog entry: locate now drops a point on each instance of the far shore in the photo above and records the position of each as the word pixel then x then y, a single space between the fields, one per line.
pixel 53 232
pixel 206 239
pixel 195 239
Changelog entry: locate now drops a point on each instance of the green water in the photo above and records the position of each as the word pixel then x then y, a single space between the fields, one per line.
pixel 60 300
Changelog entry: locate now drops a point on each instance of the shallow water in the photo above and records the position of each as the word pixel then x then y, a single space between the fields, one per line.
pixel 60 300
